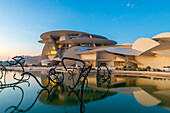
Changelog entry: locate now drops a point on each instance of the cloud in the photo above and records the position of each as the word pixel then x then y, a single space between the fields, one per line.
pixel 130 5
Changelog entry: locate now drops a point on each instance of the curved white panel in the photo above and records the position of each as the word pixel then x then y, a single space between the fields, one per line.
pixel 144 44
pixel 145 98
pixel 162 35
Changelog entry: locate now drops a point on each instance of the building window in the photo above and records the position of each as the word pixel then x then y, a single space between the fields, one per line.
pixel 87 45
pixel 121 64
pixel 73 35
pixel 85 36
pixel 102 63
pixel 53 52
pixel 98 45
pixel 59 46
pixel 47 52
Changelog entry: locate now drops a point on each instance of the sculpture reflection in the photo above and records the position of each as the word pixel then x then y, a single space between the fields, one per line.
pixel 78 96
pixel 79 87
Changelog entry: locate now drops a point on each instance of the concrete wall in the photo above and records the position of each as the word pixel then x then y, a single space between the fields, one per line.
pixel 119 59
pixel 157 61
pixel 62 38
pixel 89 56
pixel 105 55
pixel 71 53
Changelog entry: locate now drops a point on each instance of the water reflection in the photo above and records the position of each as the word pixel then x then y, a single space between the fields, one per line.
pixel 147 90
pixel 64 96
pixel 58 94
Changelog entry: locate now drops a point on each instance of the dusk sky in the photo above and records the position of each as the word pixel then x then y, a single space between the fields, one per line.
pixel 23 21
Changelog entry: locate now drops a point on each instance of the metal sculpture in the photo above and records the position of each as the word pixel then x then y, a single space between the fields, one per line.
pixel 82 71
pixel 58 77
pixel 103 74
pixel 3 71
pixel 16 108
pixel 17 60
pixel 53 76
pixel 22 97
pixel 87 70
pixel 52 72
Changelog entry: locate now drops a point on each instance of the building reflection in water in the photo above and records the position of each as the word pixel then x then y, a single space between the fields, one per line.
pixel 147 90
pixel 61 97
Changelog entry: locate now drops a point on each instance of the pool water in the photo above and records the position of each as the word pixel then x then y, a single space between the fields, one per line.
pixel 123 94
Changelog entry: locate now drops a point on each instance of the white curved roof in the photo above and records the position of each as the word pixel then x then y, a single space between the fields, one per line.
pixel 85 50
pixel 124 51
pixel 144 44
pixel 145 98
pixel 140 46
pixel 88 40
pixel 127 44
pixel 162 36
pixel 47 35
pixel 165 52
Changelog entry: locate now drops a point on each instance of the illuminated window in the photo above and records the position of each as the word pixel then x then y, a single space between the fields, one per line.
pixel 47 52
pixel 53 47
pixel 59 64
pixel 89 63
pixel 53 52
pixel 59 46
pixel 121 64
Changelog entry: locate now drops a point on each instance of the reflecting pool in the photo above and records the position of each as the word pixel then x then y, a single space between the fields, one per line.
pixel 119 94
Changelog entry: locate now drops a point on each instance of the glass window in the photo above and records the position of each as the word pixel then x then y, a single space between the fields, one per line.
pixel 87 44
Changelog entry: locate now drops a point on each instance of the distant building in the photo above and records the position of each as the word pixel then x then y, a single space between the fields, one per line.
pixel 96 49
pixel 59 44
pixel 154 52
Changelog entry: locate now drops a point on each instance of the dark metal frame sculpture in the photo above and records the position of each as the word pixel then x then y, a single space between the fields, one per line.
pixel 82 107
pixel 81 71
pixel 12 84
pixel 22 97
pixel 2 70
pixel 52 72
pixel 17 60
pixel 16 108
pixel 105 76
